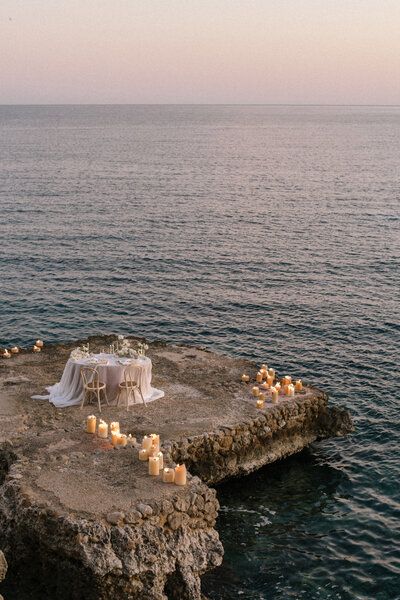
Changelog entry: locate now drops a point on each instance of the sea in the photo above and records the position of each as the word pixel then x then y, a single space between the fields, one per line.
pixel 265 232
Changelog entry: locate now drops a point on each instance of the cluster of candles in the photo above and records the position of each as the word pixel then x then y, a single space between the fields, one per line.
pixel 150 450
pixel 37 347
pixel 266 378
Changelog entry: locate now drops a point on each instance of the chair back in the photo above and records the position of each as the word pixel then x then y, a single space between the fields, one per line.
pixel 131 375
pixel 90 376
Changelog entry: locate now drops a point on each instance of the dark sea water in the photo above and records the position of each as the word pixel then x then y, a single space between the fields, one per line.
pixel 266 232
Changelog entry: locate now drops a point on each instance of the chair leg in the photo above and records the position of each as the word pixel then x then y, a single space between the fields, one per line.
pixel 83 398
pixel 98 400
pixel 106 397
pixel 140 391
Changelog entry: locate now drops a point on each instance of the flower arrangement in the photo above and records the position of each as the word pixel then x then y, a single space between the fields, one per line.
pixel 124 347
pixel 142 348
pixel 80 352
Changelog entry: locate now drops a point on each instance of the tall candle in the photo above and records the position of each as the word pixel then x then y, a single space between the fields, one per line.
pixel 290 391
pixel 255 391
pixel 180 475
pixel 168 475
pixel 245 378
pixel 259 377
pixel 102 430
pixel 287 379
pixel 274 395
pixel 271 372
pixel 143 454
pixel 278 386
pixel 147 442
pixel 154 465
pixel 160 457
pixel 91 424
pixel 264 367
pixel 298 385
pixel 270 380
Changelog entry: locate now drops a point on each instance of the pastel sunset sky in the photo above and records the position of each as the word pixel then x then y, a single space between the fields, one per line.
pixel 200 51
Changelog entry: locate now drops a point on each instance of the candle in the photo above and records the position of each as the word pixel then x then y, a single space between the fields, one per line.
pixel 102 430
pixel 155 440
pixel 264 367
pixel 255 391
pixel 154 465
pixel 114 426
pixel 122 440
pixel 160 457
pixel 245 378
pixel 147 442
pixel 6 354
pixel 259 377
pixel 270 380
pixel 298 385
pixel 115 435
pixel 91 424
pixel 39 343
pixel 271 372
pixel 36 348
pixel 14 350
pixel 264 373
pixel 180 475
pixel 265 385
pixel 287 379
pixel 290 390
pixel 168 475
pixel 131 441
pixel 143 454
pixel 286 389
pixel 278 386
pixel 274 395
pixel 260 403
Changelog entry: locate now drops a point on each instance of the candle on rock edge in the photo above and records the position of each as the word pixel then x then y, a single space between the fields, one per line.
pixel 265 385
pixel 168 475
pixel 264 367
pixel 143 454
pixel 122 440
pixel 91 424
pixel 278 386
pixel 154 465
pixel 260 403
pixel 39 343
pixel 36 348
pixel 290 390
pixel 270 380
pixel 6 354
pixel 14 350
pixel 255 391
pixel 259 377
pixel 147 442
pixel 131 441
pixel 180 475
pixel 287 379
pixel 160 457
pixel 102 430
pixel 271 372
pixel 274 395
pixel 245 378
pixel 298 385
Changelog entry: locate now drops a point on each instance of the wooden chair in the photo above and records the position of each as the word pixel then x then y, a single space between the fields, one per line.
pixel 130 385
pixel 92 386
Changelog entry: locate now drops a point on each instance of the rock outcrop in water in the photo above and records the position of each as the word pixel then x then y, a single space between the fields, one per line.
pixel 79 519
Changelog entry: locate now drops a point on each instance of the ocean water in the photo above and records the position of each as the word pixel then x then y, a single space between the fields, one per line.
pixel 268 232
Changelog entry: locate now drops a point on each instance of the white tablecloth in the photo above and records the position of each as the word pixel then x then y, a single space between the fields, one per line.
pixel 69 390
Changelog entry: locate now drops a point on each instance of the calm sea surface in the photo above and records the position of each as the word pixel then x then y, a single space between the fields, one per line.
pixel 266 232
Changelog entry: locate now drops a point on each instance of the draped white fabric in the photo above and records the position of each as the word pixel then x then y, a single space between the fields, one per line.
pixel 68 391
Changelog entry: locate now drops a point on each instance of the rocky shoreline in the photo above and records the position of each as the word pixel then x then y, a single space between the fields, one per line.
pixel 79 519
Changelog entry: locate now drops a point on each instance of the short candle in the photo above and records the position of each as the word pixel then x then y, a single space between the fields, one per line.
pixel 290 391
pixel 115 438
pixel 259 377
pixel 39 343
pixel 14 350
pixel 36 348
pixel 260 403
pixel 180 475
pixel 255 391
pixel 114 426
pixel 274 395
pixel 147 442
pixel 245 378
pixel 168 475
pixel 122 440
pixel 102 430
pixel 298 385
pixel 91 424
pixel 143 454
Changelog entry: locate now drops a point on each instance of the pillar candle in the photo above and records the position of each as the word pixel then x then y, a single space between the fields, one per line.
pixel 180 475
pixel 278 386
pixel 39 343
pixel 168 475
pixel 274 395
pixel 298 385
pixel 259 377
pixel 36 348
pixel 260 403
pixel 286 389
pixel 114 426
pixel 115 438
pixel 102 431
pixel 264 367
pixel 147 442
pixel 287 379
pixel 270 380
pixel 290 390
pixel 131 441
pixel 91 424
pixel 143 454
pixel 155 439
pixel 255 391
pixel 154 465
pixel 245 378
pixel 271 372
pixel 265 385
pixel 160 457
pixel 14 350
pixel 6 354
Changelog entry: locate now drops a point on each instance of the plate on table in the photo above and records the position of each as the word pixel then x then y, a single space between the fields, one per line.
pixel 125 361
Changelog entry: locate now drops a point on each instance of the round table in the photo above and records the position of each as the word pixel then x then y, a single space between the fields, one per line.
pixel 69 390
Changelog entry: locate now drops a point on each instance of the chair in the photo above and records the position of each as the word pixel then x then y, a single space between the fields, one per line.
pixel 130 385
pixel 92 386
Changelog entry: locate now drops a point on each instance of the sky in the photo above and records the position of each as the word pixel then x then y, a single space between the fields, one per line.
pixel 200 51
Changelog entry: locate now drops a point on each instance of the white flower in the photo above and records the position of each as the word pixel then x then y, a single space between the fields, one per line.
pixel 120 338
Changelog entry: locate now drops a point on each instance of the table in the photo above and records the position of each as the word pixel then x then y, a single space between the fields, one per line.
pixel 69 390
